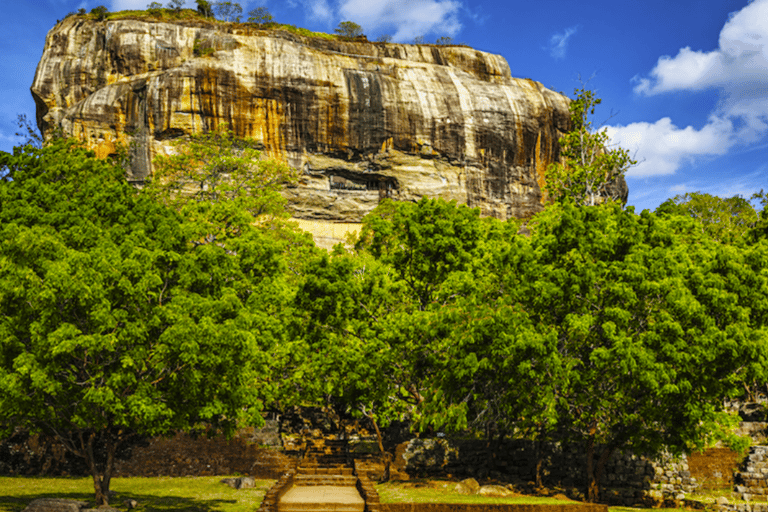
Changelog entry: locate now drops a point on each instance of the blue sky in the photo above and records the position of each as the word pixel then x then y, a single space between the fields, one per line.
pixel 684 83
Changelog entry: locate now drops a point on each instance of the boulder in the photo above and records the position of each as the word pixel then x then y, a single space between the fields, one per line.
pixel 468 486
pixel 55 505
pixel 495 491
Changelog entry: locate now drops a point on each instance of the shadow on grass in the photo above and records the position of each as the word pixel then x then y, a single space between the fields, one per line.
pixel 146 502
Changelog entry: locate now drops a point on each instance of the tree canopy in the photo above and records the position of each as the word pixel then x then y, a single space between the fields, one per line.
pixel 112 324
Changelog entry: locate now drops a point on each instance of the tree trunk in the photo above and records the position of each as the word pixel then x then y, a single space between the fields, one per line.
pixel 539 464
pixel 595 469
pixel 101 478
pixel 387 456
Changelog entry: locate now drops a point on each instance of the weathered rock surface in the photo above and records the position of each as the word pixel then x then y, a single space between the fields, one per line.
pixel 362 120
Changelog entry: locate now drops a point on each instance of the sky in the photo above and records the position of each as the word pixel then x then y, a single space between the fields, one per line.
pixel 683 83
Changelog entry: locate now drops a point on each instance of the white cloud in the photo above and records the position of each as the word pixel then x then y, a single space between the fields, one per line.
pixel 408 18
pixel 661 147
pixel 742 56
pixel 738 68
pixel 558 43
pixel 319 10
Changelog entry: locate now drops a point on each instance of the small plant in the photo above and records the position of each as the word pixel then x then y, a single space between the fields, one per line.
pixel 384 38
pixel 82 12
pixel 201 50
pixel 418 40
pixel 349 30
pixel 444 40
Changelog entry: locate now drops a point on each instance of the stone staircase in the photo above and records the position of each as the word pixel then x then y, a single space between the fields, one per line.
pixel 325 481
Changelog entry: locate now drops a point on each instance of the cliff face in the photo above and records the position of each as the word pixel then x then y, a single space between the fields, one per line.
pixel 361 120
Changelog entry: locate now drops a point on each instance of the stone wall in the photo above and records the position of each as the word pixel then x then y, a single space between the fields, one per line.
pixel 751 481
pixel 251 452
pixel 628 479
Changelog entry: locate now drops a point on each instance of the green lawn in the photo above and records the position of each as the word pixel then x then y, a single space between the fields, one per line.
pixel 207 494
pixel 435 491
pixel 198 494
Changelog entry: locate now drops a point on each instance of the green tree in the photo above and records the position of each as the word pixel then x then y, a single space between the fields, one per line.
pixel 760 230
pixel 655 327
pixel 221 183
pixel 260 15
pixel 588 165
pixel 368 315
pixel 349 29
pixel 176 5
pixel 112 325
pixel 228 11
pixel 204 8
pixel 100 12
pixel 725 220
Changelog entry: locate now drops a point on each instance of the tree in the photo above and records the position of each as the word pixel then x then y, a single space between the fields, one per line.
pixel 588 167
pixel 384 38
pixel 220 182
pixel 760 230
pixel 418 40
pixel 176 5
pixel 204 8
pixel 725 220
pixel 368 315
pixel 260 15
pixel 228 11
pixel 349 29
pixel 444 40
pixel 655 327
pixel 112 325
pixel 100 12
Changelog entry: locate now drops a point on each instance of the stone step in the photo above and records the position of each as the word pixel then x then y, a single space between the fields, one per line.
pixel 340 480
pixel 321 499
pixel 317 470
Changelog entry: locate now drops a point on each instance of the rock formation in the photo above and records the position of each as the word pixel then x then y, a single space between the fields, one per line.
pixel 362 120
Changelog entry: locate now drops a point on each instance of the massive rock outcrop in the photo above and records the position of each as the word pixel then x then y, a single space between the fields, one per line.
pixel 361 120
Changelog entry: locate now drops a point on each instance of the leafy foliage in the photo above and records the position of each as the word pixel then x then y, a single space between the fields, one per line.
pixel 726 220
pixel 204 8
pixel 227 11
pixel 260 15
pixel 588 166
pixel 112 325
pixel 221 183
pixel 349 29
pixel 100 12
pixel 176 5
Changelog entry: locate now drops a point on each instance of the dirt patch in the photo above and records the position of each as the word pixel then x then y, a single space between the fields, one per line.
pixel 714 468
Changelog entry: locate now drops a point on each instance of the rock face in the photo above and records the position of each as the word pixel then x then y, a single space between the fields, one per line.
pixel 363 121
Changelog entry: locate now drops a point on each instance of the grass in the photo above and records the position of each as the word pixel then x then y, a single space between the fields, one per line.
pixel 193 494
pixel 208 494
pixel 441 491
